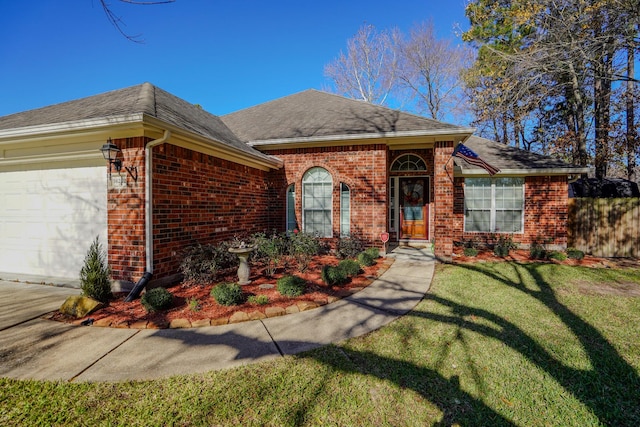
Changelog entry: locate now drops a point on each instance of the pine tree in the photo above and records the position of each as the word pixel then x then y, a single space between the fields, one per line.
pixel 94 275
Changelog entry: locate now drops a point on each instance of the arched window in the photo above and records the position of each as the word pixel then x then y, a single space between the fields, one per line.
pixel 408 162
pixel 317 186
pixel 345 210
pixel 292 224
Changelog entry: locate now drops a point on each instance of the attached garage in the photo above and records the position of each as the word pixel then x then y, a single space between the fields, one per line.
pixel 48 218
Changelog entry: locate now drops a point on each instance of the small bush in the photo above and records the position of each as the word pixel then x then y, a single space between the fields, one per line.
pixel 365 259
pixel 291 286
pixel 374 252
pixel 201 263
pixel 258 299
pixel 503 246
pixel 333 276
pixel 350 267
pixel 194 304
pixel 156 299
pixel 537 251
pixel 270 250
pixel 574 253
pixel 349 248
pixel 303 247
pixel 227 294
pixel 470 252
pixel 95 272
pixel 558 256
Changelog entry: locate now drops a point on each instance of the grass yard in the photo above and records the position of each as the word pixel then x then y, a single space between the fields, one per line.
pixel 492 344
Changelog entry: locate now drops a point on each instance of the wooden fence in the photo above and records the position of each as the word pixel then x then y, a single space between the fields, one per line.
pixel 605 227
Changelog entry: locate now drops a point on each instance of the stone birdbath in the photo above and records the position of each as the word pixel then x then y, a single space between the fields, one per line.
pixel 243 250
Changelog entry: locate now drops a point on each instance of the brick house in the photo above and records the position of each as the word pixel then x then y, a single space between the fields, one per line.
pixel 311 161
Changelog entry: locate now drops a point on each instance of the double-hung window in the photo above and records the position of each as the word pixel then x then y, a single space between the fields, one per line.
pixel 317 186
pixel 494 205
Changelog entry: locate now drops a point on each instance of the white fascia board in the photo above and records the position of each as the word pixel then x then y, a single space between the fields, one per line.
pixel 40 131
pixel 523 172
pixel 462 132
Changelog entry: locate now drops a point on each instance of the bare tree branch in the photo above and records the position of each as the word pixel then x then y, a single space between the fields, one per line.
pixel 118 23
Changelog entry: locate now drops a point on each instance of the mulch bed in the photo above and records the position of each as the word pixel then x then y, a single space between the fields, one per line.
pixel 523 256
pixel 205 311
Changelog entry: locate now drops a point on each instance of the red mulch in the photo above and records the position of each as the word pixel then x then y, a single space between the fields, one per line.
pixel 522 256
pixel 132 314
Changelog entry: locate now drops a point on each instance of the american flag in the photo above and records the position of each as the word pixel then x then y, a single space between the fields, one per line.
pixel 470 156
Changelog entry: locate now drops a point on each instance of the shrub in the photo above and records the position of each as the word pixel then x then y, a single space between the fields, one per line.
pixel 303 247
pixel 270 250
pixel 156 299
pixel 201 263
pixel 349 267
pixel 348 248
pixel 258 299
pixel 333 276
pixel 194 304
pixel 365 259
pixel 574 253
pixel 374 252
pixel 470 252
pixel 537 251
pixel 227 294
pixel 503 246
pixel 291 286
pixel 95 272
pixel 558 256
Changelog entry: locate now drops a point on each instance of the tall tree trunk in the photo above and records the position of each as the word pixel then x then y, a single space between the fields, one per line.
pixel 631 129
pixel 602 106
pixel 581 157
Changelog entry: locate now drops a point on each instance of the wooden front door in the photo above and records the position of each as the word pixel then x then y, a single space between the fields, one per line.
pixel 413 208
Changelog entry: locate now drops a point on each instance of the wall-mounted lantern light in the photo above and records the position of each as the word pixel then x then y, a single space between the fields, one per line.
pixel 110 153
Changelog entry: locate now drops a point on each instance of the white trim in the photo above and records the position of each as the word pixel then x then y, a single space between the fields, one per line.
pixel 493 210
pixel 352 137
pixel 479 173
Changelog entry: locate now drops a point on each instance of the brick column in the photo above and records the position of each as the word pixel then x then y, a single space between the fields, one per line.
pixel 443 199
pixel 125 213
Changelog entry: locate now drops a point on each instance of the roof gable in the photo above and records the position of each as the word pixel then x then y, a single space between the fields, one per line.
pixel 317 114
pixel 140 100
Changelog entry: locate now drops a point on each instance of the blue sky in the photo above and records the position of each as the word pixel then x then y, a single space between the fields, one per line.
pixel 222 54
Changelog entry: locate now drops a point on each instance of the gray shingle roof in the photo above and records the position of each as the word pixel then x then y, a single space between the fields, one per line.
pixel 505 157
pixel 144 99
pixel 316 114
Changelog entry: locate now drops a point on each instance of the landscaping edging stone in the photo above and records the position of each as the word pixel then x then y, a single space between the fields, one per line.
pixel 236 317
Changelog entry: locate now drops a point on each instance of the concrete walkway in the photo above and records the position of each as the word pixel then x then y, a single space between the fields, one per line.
pixel 34 348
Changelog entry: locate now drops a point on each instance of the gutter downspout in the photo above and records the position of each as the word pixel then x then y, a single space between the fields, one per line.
pixel 148 218
pixel 148 198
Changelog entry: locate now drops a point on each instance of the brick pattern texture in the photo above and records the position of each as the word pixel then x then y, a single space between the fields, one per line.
pixel 201 198
pixel 362 167
pixel 545 212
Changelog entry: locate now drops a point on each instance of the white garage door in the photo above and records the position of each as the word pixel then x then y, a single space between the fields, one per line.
pixel 48 219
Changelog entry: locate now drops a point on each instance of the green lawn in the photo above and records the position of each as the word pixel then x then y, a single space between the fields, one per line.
pixel 492 344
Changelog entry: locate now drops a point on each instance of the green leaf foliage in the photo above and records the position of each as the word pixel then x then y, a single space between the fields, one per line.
pixel 95 272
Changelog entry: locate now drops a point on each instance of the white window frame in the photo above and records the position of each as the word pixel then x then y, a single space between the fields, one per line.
pixel 405 162
pixel 345 225
pixel 308 200
pixel 291 224
pixel 493 209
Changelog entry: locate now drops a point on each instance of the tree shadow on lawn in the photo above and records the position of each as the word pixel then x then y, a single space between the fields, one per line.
pixel 610 389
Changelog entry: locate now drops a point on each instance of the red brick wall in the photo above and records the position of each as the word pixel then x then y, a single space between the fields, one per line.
pixel 443 199
pixel 125 214
pixel 545 216
pixel 362 167
pixel 201 198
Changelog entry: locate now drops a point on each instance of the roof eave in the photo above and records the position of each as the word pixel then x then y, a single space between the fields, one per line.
pixel 43 131
pixel 524 171
pixel 456 134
